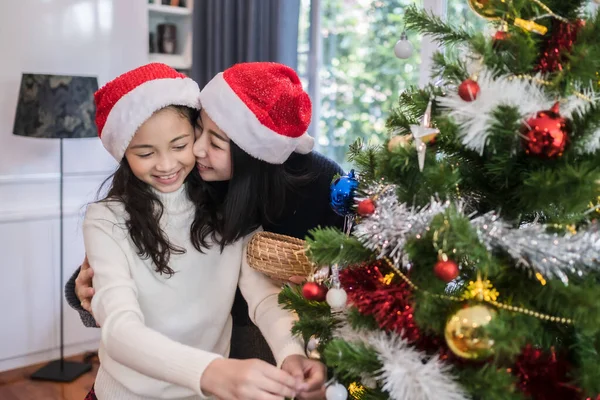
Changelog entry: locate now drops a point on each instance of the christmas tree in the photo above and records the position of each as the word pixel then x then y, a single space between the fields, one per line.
pixel 470 266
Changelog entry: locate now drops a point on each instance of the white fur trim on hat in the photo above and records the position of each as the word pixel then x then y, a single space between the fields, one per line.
pixel 134 108
pixel 234 118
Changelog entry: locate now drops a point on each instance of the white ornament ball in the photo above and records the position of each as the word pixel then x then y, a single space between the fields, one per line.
pixel 336 391
pixel 313 343
pixel 336 298
pixel 403 48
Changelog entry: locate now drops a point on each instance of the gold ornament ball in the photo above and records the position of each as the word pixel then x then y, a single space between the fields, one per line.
pixel 464 333
pixel 402 141
pixel 488 9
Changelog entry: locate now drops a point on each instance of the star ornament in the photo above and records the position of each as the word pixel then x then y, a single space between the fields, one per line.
pixel 423 134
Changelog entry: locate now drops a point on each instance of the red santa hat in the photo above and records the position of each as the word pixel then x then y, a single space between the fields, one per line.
pixel 126 102
pixel 263 109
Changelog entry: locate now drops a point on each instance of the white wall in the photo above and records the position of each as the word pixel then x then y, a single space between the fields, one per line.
pixel 80 37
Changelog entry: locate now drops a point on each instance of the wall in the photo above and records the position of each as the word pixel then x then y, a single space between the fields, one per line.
pixel 87 37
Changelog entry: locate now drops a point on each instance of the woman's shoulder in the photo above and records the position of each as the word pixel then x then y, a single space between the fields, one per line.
pixel 324 165
pixel 314 164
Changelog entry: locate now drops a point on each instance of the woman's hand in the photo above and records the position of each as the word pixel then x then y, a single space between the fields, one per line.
pixel 311 373
pixel 298 280
pixel 83 286
pixel 230 379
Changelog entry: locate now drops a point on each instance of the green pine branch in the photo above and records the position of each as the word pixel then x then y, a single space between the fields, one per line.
pixel 315 317
pixel 562 192
pixel 291 298
pixel 584 58
pixel 489 383
pixel 364 157
pixel 331 246
pixel 587 353
pixel 351 360
pixel 448 66
pixel 425 22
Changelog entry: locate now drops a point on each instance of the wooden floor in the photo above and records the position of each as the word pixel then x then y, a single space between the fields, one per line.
pixel 16 385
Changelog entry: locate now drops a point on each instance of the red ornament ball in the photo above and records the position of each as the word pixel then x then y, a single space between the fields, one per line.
pixel 500 36
pixel 314 291
pixel 546 134
pixel 499 39
pixel 365 207
pixel 468 90
pixel 446 270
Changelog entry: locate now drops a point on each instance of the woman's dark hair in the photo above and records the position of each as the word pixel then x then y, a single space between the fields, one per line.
pixel 256 194
pixel 144 209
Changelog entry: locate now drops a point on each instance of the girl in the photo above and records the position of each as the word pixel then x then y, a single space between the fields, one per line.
pixel 155 245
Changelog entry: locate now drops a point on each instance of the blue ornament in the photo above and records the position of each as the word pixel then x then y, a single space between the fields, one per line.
pixel 342 194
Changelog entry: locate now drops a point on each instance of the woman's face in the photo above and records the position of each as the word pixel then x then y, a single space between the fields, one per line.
pixel 212 150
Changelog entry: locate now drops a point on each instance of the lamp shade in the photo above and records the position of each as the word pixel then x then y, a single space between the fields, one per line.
pixel 56 106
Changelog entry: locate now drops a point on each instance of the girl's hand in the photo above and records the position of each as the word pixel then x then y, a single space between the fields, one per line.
pixel 310 375
pixel 230 379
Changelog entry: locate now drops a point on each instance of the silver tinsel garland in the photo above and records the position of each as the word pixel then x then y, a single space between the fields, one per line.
pixel 552 255
pixel 393 223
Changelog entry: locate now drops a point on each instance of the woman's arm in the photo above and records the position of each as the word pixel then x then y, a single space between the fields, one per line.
pixel 274 322
pixel 81 280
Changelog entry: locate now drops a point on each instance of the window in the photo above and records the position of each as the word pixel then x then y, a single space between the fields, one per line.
pixel 347 63
pixel 359 78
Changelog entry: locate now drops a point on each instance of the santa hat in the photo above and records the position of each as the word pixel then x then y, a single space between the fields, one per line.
pixel 126 102
pixel 263 109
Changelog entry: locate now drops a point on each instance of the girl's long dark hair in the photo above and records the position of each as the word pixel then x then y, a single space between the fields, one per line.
pixel 144 209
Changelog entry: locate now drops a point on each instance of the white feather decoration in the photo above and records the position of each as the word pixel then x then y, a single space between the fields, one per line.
pixel 406 373
pixel 475 117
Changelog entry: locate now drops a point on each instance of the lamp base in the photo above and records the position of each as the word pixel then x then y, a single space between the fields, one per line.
pixel 61 371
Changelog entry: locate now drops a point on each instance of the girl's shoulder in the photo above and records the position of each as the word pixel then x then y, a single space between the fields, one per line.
pixel 110 210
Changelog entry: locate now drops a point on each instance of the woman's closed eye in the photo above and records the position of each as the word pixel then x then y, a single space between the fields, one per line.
pixel 145 155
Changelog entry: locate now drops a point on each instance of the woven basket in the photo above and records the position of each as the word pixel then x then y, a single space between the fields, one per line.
pixel 278 256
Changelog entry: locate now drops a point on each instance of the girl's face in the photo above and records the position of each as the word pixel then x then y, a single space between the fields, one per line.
pixel 213 155
pixel 160 154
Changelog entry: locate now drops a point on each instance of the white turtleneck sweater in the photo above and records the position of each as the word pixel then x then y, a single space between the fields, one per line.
pixel 159 333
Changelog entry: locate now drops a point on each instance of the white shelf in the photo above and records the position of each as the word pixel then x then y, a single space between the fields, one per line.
pixel 176 61
pixel 169 10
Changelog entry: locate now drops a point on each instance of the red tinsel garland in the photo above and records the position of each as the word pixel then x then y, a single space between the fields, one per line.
pixel 390 305
pixel 561 42
pixel 544 376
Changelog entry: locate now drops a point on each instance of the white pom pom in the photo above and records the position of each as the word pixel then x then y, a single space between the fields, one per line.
pixel 403 48
pixel 336 298
pixel 313 343
pixel 336 391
